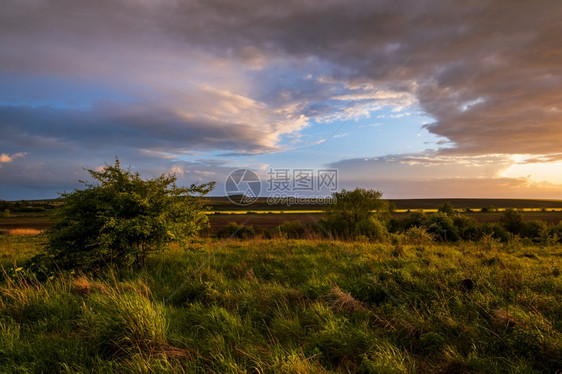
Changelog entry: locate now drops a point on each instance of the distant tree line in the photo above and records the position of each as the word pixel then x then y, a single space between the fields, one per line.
pixel 362 215
pixel 25 206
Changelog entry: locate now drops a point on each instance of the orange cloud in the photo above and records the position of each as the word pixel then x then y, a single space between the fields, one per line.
pixel 5 158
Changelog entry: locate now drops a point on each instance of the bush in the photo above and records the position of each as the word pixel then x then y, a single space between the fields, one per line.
pixel 122 218
pixel 416 219
pixel 468 228
pixel 534 230
pixel 418 236
pixel 555 232
pixel 350 208
pixel 371 228
pixel 356 205
pixel 292 229
pixel 335 226
pixel 441 226
pixel 512 220
pixel 495 231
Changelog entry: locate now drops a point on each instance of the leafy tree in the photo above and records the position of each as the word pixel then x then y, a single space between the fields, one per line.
pixel 121 218
pixel 352 207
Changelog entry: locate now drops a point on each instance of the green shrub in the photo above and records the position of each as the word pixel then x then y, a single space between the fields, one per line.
pixel 555 232
pixel 534 230
pixel 495 231
pixel 441 226
pixel 292 229
pixel 468 228
pixel 416 219
pixel 418 236
pixel 336 227
pixel 122 218
pixel 512 221
pixel 350 208
pixel 371 228
pixel 349 216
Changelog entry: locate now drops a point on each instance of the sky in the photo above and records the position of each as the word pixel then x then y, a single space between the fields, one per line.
pixel 415 98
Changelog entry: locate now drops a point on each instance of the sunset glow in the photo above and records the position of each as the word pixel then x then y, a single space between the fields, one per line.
pixel 415 99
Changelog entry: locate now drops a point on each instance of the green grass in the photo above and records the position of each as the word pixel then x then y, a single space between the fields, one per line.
pixel 16 249
pixel 292 306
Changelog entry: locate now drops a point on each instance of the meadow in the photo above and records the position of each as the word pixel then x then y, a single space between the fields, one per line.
pixel 291 306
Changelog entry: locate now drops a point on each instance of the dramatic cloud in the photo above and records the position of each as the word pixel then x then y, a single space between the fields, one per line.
pixel 166 81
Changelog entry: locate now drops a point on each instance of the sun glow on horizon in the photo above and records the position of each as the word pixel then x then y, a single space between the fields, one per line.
pixel 549 172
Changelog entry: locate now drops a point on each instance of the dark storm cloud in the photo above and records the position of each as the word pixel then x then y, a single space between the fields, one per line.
pixel 488 72
pixel 105 126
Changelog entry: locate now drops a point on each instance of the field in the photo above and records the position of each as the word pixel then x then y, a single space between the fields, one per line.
pixel 219 216
pixel 404 301
pixel 292 306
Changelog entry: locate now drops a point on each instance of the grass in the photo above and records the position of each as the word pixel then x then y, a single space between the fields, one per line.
pixel 16 249
pixel 292 306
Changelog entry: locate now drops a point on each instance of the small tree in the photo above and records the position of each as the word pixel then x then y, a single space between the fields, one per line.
pixel 122 218
pixel 352 207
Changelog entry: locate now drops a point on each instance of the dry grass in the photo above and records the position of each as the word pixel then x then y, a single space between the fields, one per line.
pixel 84 286
pixel 340 300
pixel 504 318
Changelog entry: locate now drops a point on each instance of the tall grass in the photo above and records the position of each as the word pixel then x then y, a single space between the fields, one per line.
pixel 295 306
